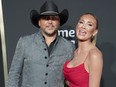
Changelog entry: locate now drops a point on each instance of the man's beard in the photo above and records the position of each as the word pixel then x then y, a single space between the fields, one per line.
pixel 51 34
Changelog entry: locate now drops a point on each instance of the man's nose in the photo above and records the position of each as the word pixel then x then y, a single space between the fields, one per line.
pixel 50 20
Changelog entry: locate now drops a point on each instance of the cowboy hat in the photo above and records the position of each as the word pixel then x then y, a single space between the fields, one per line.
pixel 48 8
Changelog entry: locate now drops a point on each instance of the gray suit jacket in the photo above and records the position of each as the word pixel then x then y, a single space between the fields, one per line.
pixel 38 69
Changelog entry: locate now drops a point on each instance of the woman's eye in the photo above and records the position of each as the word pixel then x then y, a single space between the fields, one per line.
pixel 80 22
pixel 90 24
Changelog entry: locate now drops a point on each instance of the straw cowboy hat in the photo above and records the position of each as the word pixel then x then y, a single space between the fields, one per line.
pixel 48 8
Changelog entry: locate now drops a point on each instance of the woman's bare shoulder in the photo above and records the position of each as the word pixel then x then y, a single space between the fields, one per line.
pixel 95 52
pixel 95 55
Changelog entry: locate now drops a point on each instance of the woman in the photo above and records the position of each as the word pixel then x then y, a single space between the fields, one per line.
pixel 85 69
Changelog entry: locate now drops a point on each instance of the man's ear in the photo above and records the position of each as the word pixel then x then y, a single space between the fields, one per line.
pixel 39 23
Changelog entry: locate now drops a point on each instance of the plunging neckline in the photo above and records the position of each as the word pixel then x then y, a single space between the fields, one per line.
pixel 74 66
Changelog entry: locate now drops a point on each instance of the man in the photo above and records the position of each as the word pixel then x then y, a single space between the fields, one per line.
pixel 39 57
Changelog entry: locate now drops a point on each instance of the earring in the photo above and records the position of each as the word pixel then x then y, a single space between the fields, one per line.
pixel 92 37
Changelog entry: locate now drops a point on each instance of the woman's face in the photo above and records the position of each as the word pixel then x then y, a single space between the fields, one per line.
pixel 86 28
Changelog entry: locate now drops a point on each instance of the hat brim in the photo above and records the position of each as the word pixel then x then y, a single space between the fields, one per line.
pixel 35 16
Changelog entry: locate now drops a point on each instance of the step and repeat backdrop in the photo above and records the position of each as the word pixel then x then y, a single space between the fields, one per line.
pixel 17 23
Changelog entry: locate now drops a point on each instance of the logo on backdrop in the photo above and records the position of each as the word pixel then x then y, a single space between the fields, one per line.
pixel 67 32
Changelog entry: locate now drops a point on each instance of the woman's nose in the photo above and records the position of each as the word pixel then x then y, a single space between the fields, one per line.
pixel 83 26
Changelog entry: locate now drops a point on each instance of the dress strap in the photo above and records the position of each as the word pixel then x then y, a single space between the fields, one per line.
pixel 85 58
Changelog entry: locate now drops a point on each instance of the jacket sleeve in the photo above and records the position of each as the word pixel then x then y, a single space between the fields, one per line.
pixel 16 66
pixel 71 51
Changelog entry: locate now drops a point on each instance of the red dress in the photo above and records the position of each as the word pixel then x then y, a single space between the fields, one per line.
pixel 77 76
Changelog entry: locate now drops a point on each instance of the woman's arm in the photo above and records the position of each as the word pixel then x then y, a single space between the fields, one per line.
pixel 66 83
pixel 95 68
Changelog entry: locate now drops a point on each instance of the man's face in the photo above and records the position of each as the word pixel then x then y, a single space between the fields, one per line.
pixel 49 24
